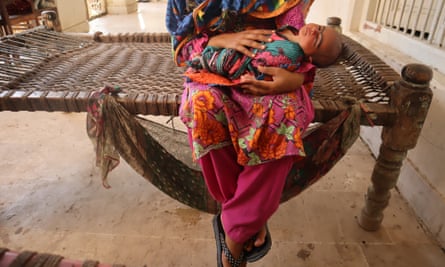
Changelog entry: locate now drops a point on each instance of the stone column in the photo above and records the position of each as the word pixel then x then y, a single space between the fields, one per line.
pixel 411 97
pixel 73 16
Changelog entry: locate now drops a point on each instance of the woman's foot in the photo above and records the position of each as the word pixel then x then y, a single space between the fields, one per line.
pixel 237 251
pixel 229 253
pixel 257 241
pixel 259 245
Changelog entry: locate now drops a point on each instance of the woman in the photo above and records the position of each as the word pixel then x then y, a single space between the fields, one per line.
pixel 244 137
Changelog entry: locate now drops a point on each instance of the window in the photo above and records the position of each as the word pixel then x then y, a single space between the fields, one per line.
pixel 423 20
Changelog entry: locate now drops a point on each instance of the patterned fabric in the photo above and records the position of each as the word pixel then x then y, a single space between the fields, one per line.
pixel 295 16
pixel 231 64
pixel 107 158
pixel 260 128
pixel 187 19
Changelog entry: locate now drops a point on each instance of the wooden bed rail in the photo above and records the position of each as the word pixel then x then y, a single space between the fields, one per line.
pixel 33 259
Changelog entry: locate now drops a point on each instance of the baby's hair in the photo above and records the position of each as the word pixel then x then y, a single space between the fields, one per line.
pixel 325 58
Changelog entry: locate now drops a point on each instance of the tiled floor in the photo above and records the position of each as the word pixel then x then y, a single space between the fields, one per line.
pixel 52 200
pixel 149 18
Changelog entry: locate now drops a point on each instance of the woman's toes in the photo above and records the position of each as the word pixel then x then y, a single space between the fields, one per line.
pixel 261 237
pixel 248 246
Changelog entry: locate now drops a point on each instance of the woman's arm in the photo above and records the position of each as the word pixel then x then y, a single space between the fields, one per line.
pixel 283 81
pixel 243 42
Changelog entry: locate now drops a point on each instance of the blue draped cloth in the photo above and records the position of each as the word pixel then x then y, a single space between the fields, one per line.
pixel 187 18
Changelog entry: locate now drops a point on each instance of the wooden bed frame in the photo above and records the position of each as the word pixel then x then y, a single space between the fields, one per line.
pixel 43 70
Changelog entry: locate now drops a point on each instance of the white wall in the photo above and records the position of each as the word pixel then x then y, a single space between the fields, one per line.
pixel 322 9
pixel 422 179
pixel 73 15
pixel 115 7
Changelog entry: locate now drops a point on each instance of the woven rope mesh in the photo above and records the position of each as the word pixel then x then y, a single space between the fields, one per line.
pixel 358 73
pixel 41 60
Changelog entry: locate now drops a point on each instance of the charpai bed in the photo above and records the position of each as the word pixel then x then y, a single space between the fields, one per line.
pixel 43 70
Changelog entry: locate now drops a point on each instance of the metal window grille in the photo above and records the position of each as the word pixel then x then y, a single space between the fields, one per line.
pixel 420 19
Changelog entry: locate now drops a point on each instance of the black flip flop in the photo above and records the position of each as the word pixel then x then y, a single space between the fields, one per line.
pixel 259 252
pixel 221 246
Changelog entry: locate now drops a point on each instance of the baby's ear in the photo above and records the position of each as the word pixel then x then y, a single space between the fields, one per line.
pixel 310 59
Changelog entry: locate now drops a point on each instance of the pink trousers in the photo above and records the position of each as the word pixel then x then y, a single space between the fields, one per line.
pixel 249 195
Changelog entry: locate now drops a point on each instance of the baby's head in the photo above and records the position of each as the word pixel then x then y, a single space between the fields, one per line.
pixel 322 43
pixel 327 45
pixel 329 49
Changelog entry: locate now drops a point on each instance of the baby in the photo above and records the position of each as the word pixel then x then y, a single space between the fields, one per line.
pixel 289 49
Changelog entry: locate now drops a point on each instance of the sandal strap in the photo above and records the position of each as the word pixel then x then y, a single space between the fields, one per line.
pixel 233 262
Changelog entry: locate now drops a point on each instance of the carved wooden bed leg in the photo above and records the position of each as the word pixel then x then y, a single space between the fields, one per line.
pixel 411 96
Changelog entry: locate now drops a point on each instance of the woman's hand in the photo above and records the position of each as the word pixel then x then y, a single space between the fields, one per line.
pixel 283 81
pixel 243 42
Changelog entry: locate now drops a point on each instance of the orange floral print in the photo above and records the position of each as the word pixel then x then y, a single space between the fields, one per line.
pixel 289 113
pixel 271 118
pixel 298 140
pixel 234 137
pixel 199 116
pixel 208 131
pixel 292 96
pixel 243 159
pixel 203 100
pixel 274 148
pixel 257 109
